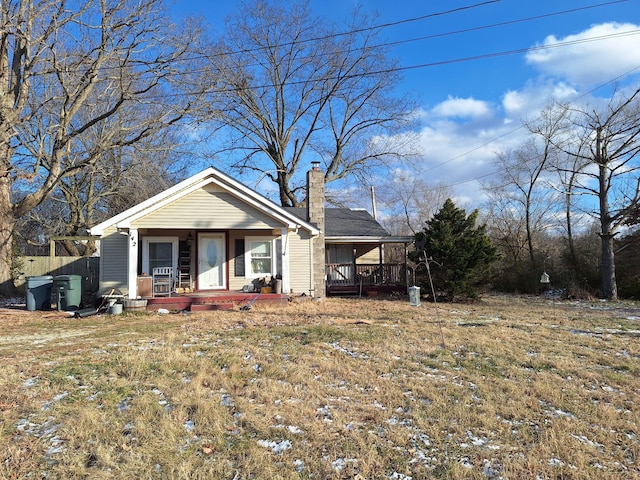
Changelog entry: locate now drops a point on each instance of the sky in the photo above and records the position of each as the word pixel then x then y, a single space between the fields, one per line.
pixel 477 68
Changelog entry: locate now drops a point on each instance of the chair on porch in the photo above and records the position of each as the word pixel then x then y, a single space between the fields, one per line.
pixel 162 281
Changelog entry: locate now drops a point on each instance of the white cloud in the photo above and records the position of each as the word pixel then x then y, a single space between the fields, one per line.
pixel 614 49
pixel 462 108
pixel 533 97
pixel 458 155
pixel 460 136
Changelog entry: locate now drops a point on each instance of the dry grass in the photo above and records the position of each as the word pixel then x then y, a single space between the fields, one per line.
pixel 358 389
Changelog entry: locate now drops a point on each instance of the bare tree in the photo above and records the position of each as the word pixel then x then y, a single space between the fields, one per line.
pixel 289 88
pixel 605 143
pixel 67 68
pixel 520 185
pixel 507 228
pixel 410 202
pixel 120 178
pixel 569 168
pixel 116 182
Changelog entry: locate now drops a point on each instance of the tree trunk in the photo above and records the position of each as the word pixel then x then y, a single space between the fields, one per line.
pixel 609 287
pixel 7 225
pixel 572 247
pixel 532 257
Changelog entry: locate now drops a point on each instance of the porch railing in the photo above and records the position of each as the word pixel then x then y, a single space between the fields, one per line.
pixel 348 274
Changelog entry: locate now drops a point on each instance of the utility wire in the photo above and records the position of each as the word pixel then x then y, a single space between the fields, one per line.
pixel 500 24
pixel 371 28
pixel 519 128
pixel 408 40
pixel 419 18
pixel 503 53
pixel 418 66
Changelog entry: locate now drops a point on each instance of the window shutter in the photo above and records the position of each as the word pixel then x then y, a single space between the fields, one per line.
pixel 239 257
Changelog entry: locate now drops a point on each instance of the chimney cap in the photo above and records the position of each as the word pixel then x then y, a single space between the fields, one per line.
pixel 315 165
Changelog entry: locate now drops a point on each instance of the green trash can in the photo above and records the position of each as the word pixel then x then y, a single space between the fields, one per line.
pixel 68 291
pixel 39 292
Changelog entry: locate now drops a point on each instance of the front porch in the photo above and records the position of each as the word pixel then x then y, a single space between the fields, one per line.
pixel 203 301
pixel 360 279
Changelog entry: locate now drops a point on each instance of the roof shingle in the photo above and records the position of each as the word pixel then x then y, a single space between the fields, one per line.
pixel 344 222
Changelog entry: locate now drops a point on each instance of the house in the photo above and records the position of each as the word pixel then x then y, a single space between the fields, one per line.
pixel 218 236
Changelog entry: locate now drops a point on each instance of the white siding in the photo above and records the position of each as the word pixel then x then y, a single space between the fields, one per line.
pixel 207 208
pixel 300 262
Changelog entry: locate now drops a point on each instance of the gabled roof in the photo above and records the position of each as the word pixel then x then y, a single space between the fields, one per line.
pixel 209 176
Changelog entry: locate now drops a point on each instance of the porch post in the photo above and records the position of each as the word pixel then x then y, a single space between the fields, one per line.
pixel 286 280
pixel 383 274
pixel 408 281
pixel 133 263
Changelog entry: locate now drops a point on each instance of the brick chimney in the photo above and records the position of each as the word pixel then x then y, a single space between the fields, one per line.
pixel 315 215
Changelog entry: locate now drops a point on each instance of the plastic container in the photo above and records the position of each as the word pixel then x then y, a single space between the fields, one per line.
pixel 414 296
pixel 115 309
pixel 39 292
pixel 68 291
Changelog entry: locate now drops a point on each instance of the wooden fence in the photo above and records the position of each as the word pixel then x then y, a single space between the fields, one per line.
pixel 87 267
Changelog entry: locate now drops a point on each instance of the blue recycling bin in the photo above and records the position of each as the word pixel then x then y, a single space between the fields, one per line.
pixel 68 291
pixel 39 292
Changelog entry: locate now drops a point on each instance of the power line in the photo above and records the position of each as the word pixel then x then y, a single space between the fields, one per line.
pixel 589 92
pixel 346 33
pixel 371 28
pixel 506 52
pixel 501 24
pixel 432 64
pixel 413 39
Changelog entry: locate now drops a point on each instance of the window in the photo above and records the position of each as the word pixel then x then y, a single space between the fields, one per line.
pixel 159 252
pixel 259 257
pixel 340 254
pixel 160 255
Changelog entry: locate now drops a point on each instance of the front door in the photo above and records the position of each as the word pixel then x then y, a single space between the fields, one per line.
pixel 211 261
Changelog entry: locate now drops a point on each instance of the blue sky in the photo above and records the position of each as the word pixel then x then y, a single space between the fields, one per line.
pixel 471 109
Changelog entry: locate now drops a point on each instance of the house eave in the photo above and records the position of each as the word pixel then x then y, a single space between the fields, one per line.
pixel 371 239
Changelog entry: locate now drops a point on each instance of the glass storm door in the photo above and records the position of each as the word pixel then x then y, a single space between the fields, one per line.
pixel 211 261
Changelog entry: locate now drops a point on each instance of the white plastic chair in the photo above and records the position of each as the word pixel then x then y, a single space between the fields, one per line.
pixel 162 281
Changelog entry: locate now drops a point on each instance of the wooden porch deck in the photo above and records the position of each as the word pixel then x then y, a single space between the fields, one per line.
pixel 361 279
pixel 202 301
